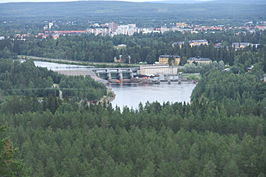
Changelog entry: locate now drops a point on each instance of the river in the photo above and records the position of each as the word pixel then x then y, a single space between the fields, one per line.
pixel 59 66
pixel 131 95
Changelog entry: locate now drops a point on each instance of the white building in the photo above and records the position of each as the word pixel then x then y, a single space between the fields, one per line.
pixel 99 31
pixel 50 25
pixel 158 69
pixel 129 29
pixel 242 45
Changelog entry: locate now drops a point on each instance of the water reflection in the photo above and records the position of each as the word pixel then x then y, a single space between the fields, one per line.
pixel 133 94
pixel 59 66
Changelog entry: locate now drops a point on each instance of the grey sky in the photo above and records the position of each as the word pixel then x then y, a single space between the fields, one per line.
pixel 4 1
pixel 65 0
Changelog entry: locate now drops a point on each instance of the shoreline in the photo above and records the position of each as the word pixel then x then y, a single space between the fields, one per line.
pixel 106 99
pixel 81 63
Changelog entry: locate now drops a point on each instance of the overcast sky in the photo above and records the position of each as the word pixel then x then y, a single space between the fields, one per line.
pixel 68 0
pixel 4 1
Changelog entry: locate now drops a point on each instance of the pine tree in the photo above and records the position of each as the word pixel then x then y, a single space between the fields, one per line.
pixel 9 167
pixel 209 169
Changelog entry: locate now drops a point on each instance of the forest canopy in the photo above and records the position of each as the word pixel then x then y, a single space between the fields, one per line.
pixel 142 48
pixel 221 133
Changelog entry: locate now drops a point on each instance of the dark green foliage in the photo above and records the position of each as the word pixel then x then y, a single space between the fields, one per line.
pixel 26 88
pixel 25 79
pixel 144 48
pixel 185 140
pixel 220 134
pixel 9 166
pixel 217 135
pixel 218 86
pixel 79 88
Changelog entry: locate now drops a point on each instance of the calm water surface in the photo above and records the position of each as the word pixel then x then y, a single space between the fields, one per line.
pixel 132 94
pixel 59 66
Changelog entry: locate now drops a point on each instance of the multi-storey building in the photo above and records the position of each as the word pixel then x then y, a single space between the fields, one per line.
pixel 165 59
pixel 158 69
pixel 193 43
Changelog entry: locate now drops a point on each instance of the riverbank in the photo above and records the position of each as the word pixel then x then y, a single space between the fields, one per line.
pixel 82 63
pixel 131 94
pixel 106 99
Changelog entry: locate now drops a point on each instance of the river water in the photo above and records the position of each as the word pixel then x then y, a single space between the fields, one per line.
pixel 131 95
pixel 59 66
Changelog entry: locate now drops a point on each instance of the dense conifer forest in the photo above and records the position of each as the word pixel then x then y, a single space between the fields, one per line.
pixel 51 125
pixel 48 129
pixel 141 47
pixel 221 133
pixel 24 87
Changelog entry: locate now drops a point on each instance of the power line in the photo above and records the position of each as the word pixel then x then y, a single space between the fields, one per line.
pixel 25 89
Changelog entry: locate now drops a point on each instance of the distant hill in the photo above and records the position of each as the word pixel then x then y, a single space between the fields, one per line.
pixel 241 1
pixel 178 1
pixel 86 9
pixel 215 1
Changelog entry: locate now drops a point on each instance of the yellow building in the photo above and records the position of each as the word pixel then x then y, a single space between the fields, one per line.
pixel 199 60
pixel 164 59
pixel 198 42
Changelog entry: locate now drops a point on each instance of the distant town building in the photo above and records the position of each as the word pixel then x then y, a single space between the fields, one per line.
pixel 242 45
pixel 250 68
pixel 99 31
pixel 50 25
pixel 129 29
pixel 261 28
pixel 66 32
pixel 218 45
pixel 120 59
pixel 55 36
pixel 45 27
pixel 199 60
pixel 112 26
pixel 180 44
pixel 181 25
pixel 121 46
pixel 158 69
pixel 164 59
pixel 193 43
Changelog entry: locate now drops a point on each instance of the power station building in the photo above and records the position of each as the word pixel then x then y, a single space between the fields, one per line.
pixel 158 69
